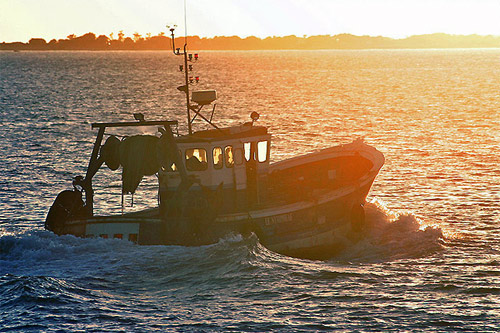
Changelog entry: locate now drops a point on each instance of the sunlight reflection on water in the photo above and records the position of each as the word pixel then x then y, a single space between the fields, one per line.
pixel 433 113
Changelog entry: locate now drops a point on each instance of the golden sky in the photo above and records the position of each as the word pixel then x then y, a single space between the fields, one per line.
pixel 22 19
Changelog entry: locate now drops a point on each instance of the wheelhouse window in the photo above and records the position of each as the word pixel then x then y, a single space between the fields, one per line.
pixel 196 159
pixel 218 158
pixel 228 152
pixel 171 168
pixel 248 149
pixel 262 151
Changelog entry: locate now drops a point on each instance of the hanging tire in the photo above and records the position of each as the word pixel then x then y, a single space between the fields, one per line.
pixel 68 204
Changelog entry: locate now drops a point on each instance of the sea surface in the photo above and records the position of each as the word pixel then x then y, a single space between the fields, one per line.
pixel 430 260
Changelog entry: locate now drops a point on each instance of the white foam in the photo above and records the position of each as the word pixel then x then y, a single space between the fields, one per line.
pixel 390 235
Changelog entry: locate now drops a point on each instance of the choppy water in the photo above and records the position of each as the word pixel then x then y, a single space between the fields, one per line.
pixel 430 259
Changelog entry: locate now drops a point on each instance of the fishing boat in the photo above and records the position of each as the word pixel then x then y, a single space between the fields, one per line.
pixel 220 181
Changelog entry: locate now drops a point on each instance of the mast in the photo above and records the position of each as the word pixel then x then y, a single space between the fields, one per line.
pixel 202 98
pixel 185 87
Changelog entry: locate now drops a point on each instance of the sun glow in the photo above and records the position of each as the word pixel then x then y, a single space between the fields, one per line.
pixel 23 19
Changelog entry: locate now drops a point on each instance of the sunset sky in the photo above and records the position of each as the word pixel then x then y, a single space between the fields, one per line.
pixel 22 19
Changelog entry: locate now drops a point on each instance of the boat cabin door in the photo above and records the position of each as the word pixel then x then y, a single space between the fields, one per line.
pixel 239 178
pixel 251 172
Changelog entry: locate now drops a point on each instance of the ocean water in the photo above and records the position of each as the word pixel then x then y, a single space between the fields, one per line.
pixel 430 258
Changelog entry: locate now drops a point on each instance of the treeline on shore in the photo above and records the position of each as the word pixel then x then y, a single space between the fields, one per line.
pixel 90 41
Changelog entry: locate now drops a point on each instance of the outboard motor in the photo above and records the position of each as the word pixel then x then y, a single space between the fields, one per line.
pixel 68 205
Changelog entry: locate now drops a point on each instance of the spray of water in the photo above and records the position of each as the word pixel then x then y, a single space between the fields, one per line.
pixel 390 235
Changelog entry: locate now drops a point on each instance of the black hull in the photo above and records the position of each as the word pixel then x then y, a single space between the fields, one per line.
pixel 298 219
pixel 304 229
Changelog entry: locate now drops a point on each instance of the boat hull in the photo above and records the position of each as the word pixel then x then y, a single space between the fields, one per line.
pixel 315 229
pixel 317 226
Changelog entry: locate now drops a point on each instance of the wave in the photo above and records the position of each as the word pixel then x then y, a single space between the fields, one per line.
pixel 387 236
pixel 123 286
pixel 41 253
pixel 61 269
pixel 390 235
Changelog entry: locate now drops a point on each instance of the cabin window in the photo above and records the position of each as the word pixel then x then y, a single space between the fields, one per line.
pixel 262 151
pixel 171 168
pixel 218 159
pixel 229 156
pixel 247 146
pixel 238 156
pixel 196 159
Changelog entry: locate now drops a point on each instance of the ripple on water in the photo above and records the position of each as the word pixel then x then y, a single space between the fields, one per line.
pixel 428 260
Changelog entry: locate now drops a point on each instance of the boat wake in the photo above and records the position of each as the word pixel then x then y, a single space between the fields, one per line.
pixel 80 277
pixel 387 236
pixel 391 236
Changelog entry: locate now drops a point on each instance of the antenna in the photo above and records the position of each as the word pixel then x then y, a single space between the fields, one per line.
pixel 185 87
pixel 201 98
pixel 185 24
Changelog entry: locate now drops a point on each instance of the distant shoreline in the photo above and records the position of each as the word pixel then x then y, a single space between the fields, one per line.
pixel 270 50
pixel 91 42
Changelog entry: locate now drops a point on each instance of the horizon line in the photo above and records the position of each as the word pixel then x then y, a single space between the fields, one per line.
pixel 305 36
